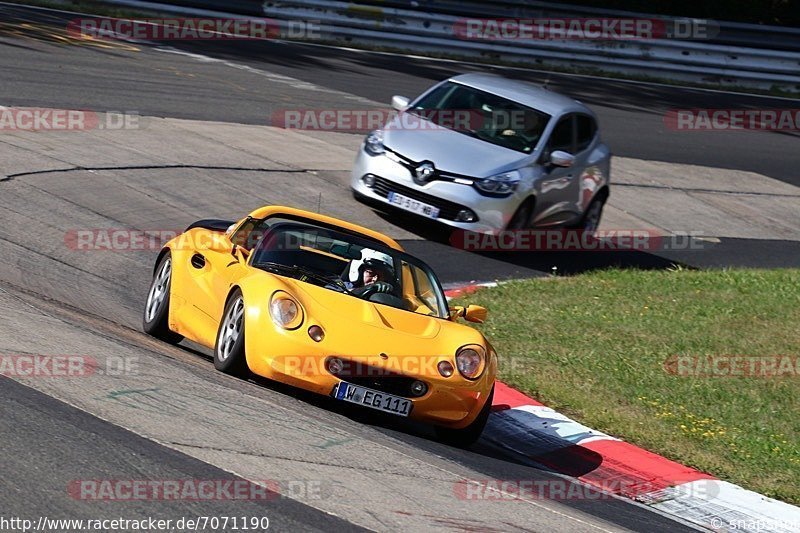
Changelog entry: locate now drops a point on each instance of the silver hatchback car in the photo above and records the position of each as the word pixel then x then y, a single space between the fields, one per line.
pixel 484 153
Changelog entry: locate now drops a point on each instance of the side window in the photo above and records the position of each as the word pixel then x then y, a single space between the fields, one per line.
pixel 562 136
pixel 245 236
pixel 418 294
pixel 586 132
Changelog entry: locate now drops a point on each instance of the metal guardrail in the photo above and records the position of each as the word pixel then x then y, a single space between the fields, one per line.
pixel 429 26
pixel 731 33
pixel 432 29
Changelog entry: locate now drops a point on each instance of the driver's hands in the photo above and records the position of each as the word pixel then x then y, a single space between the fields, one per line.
pixel 373 288
pixel 382 286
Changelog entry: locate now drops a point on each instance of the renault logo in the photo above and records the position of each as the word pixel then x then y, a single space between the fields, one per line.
pixel 424 173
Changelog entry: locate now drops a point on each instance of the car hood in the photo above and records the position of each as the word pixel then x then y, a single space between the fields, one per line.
pixel 328 305
pixel 421 140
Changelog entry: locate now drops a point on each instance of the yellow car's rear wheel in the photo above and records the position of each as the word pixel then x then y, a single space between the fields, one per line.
pixel 229 355
pixel 155 320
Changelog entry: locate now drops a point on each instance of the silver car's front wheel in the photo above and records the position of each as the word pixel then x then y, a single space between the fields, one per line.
pixel 229 355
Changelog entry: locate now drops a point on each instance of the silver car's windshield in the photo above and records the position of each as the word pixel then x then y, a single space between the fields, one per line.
pixel 349 264
pixel 483 115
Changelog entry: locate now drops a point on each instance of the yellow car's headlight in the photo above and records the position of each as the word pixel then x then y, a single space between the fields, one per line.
pixel 471 361
pixel 285 311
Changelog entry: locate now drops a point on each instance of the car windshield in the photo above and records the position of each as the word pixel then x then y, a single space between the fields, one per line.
pixel 483 115
pixel 350 264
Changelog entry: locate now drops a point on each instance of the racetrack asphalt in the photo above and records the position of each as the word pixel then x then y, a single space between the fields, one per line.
pixel 50 447
pixel 202 421
pixel 251 80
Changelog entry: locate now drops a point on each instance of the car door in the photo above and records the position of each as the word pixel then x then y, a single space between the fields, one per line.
pixel 216 266
pixel 558 188
pixel 588 160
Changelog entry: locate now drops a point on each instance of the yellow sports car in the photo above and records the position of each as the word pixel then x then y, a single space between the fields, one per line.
pixel 330 307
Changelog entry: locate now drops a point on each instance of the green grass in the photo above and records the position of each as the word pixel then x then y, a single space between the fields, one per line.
pixel 594 346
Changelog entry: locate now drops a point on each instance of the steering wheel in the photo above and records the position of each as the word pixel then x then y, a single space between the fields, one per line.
pixel 370 290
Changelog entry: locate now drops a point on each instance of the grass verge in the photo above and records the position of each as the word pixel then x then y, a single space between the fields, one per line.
pixel 594 346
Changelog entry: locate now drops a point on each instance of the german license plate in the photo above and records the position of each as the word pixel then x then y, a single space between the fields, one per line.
pixel 415 206
pixel 373 399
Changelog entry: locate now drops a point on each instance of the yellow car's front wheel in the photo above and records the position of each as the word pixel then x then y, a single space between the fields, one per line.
pixel 229 356
pixel 466 437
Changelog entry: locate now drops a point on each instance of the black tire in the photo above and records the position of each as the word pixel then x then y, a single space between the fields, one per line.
pixel 155 318
pixel 590 220
pixel 523 218
pixel 229 354
pixel 466 437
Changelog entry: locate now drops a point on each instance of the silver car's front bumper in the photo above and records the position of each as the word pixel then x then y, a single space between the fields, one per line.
pixel 493 213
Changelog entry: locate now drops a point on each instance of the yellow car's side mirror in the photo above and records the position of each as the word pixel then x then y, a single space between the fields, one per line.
pixel 475 313
pixel 471 313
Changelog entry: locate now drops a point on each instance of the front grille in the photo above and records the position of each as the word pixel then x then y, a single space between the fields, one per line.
pixel 377 378
pixel 395 385
pixel 447 210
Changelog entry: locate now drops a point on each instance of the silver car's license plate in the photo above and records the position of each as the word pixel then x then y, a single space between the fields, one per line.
pixel 415 206
pixel 373 399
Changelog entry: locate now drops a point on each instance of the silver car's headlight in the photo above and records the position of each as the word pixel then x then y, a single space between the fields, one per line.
pixel 504 183
pixel 471 360
pixel 373 144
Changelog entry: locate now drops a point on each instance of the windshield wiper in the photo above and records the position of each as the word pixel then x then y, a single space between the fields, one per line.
pixel 307 272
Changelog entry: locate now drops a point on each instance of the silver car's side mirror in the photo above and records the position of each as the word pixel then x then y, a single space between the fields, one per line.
pixel 399 103
pixel 559 158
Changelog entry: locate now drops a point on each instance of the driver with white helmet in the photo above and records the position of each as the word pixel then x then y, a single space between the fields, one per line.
pixel 373 272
